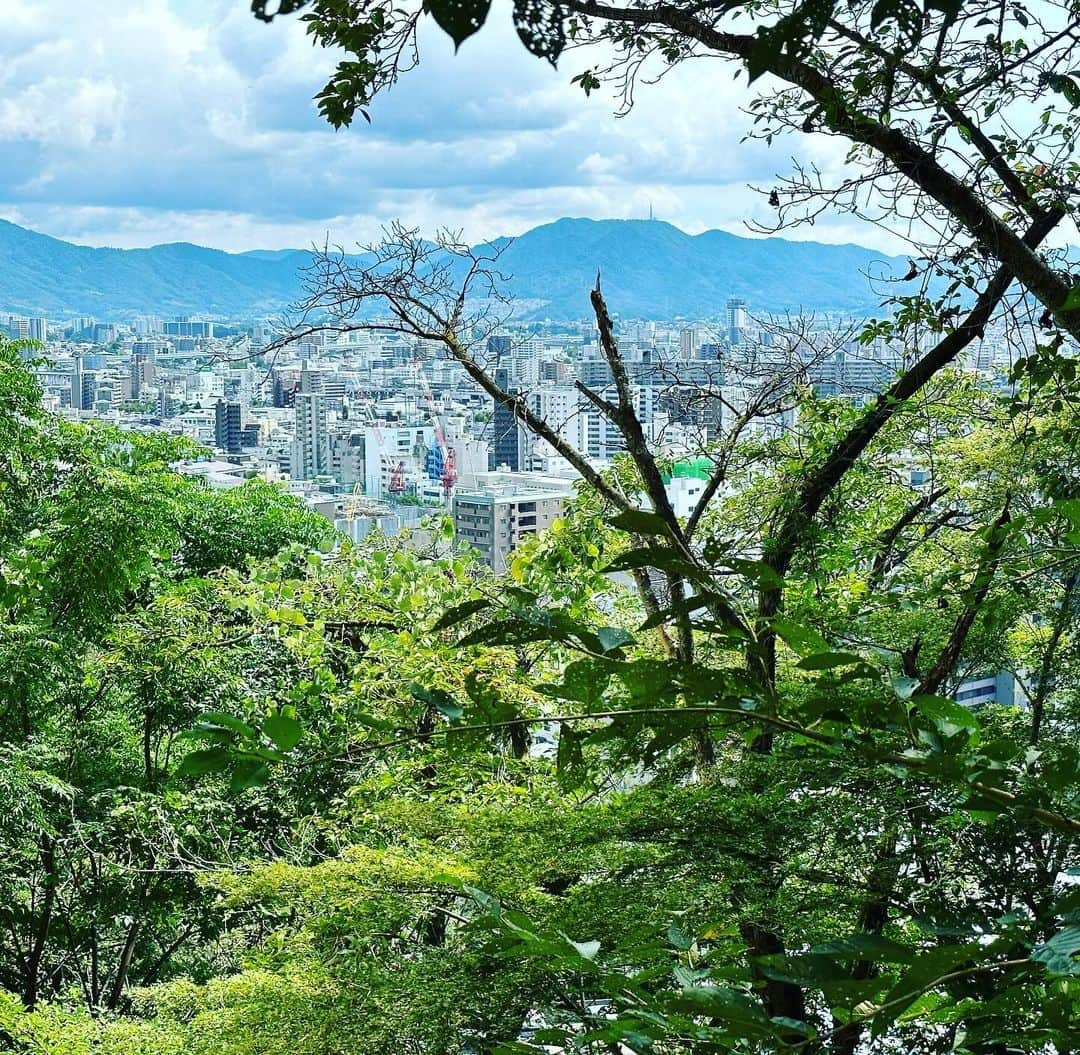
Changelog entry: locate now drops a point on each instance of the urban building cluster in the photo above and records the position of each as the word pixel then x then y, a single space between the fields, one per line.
pixel 381 430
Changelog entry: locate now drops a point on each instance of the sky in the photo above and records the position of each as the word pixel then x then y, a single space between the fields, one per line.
pixel 135 122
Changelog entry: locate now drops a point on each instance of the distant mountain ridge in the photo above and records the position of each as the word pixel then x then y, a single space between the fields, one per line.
pixel 650 269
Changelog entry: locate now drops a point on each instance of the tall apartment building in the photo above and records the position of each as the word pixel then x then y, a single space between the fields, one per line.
pixel 503 510
pixel 581 424
pixel 83 386
pixel 168 404
pixel 142 372
pixel 228 427
pixel 508 439
pixel 736 312
pixel 310 455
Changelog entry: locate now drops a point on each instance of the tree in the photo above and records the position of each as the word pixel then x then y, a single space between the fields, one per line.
pixel 110 648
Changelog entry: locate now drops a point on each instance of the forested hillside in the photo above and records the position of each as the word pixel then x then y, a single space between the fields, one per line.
pixel 657 270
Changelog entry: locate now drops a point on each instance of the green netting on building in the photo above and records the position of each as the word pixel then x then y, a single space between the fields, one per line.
pixel 693 468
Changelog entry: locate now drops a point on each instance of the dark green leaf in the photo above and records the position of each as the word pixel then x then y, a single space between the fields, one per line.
pixel 945 712
pixel 569 759
pixel 284 731
pixel 249 773
pixel 220 720
pixel 460 612
pixel 459 19
pixel 801 639
pixel 440 700
pixel 613 637
pixel 209 760
pixel 640 522
pixel 1061 953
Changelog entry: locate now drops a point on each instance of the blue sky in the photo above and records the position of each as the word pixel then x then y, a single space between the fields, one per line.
pixel 133 122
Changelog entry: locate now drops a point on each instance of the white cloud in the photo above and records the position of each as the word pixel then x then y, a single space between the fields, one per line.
pixel 129 122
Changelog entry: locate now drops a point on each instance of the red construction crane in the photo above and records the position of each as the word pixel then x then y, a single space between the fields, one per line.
pixel 449 455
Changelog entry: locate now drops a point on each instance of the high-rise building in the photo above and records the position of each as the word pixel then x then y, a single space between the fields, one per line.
pixel 188 327
pixel 498 350
pixel 284 391
pixel 310 455
pixel 142 372
pixel 83 386
pixel 688 343
pixel 227 427
pixel 507 431
pixel 502 511
pixel 77 378
pixel 736 313
pixel 38 330
pixel 168 404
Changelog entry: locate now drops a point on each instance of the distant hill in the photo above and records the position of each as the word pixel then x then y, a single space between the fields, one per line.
pixel 650 269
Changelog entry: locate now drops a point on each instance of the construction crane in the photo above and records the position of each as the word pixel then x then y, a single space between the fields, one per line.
pixel 354 506
pixel 448 468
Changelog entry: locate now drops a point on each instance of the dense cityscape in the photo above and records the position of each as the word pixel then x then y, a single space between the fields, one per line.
pixel 376 430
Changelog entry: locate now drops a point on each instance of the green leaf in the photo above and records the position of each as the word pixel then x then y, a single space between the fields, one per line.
pixel 512 632
pixel 587 950
pixel 441 700
pixel 484 901
pixel 865 947
pixel 208 760
pixel 570 762
pixel 904 687
pixel 728 1005
pixel 540 26
pixel 640 522
pixel 249 773
pixel 1061 953
pixel 220 720
pixel 921 975
pixel 802 640
pixel 285 732
pixel 460 612
pixel 584 681
pixel 679 939
pixel 1062 83
pixel 945 713
pixel 613 637
pixel 460 19
pixel 757 571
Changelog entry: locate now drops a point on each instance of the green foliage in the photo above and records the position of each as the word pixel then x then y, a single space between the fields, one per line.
pixel 375 798
pixel 224 528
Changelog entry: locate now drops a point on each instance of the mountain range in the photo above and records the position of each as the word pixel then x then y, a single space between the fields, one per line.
pixel 650 269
